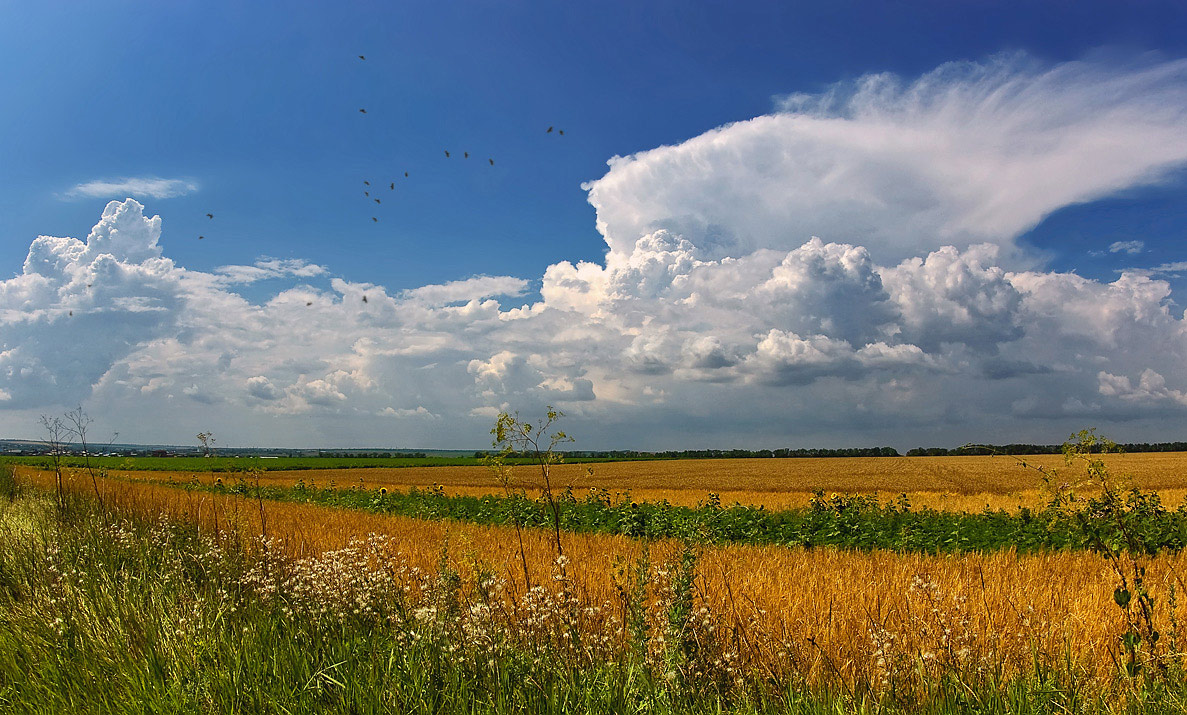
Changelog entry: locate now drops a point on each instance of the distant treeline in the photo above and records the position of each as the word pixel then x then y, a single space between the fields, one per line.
pixel 373 455
pixel 626 454
pixel 1037 449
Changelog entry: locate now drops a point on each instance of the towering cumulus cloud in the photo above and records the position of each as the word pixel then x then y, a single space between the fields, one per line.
pixel 843 270
pixel 966 154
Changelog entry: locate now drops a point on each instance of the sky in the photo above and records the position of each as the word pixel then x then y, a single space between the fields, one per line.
pixel 764 225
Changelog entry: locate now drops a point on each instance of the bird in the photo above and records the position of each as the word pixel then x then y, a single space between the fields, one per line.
pixel 492 162
pixel 405 174
pixel 465 155
pixel 377 201
pixel 561 132
pixel 308 303
pixel 375 219
pixel 368 183
pixel 364 299
pixel 88 285
pixel 199 238
pixel 446 153
pixel 393 186
pixel 209 215
pixel 548 131
pixel 363 111
pixel 361 57
pixel 366 193
pixel 72 314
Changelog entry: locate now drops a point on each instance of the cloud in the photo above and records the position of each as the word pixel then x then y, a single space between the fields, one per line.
pixel 842 271
pixel 418 412
pixel 149 187
pixel 468 289
pixel 1172 268
pixel 267 268
pixel 1131 247
pixel 262 388
pixel 1151 388
pixel 969 153
pixel 77 308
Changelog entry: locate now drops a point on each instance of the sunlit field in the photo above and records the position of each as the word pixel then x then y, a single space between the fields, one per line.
pixel 952 483
pixel 888 628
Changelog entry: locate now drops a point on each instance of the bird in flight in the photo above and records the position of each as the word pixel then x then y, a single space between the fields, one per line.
pixel 465 155
pixel 393 186
pixel 446 153
pixel 366 193
pixel 88 285
pixel 548 131
pixel 72 314
pixel 405 174
pixel 361 57
pixel 368 183
pixel 377 201
pixel 363 111
pixel 561 132
pixel 492 162
pixel 209 215
pixel 375 219
pixel 199 238
pixel 364 299
pixel 308 303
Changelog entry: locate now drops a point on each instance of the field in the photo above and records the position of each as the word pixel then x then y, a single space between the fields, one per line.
pixel 753 628
pixel 955 483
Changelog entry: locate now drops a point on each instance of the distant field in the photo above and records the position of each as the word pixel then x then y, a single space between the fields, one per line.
pixel 239 464
pixel 955 483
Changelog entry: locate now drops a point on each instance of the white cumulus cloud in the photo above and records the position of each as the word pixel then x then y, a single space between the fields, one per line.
pixel 969 153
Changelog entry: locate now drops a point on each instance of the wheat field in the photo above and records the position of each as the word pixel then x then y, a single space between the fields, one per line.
pixel 815 614
pixel 953 483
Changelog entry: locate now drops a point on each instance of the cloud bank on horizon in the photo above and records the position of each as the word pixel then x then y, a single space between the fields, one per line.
pixel 844 270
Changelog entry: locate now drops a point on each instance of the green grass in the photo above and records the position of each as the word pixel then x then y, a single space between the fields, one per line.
pixel 104 612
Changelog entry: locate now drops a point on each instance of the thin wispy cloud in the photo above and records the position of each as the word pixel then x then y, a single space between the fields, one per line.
pixel 135 187
pixel 1172 268
pixel 1131 247
pixel 266 268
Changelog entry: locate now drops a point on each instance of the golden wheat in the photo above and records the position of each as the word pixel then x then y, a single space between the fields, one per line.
pixel 951 483
pixel 820 614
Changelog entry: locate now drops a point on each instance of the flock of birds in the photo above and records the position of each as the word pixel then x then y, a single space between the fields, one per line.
pixel 392 184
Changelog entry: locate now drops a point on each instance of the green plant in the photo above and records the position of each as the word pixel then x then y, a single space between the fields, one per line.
pixel 539 441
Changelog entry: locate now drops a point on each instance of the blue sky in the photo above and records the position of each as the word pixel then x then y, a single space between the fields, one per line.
pixel 252 110
pixel 258 106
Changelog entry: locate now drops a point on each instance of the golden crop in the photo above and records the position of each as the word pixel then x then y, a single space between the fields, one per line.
pixel 953 483
pixel 873 617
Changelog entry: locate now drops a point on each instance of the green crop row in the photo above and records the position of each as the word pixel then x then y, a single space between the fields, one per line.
pixel 847 521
